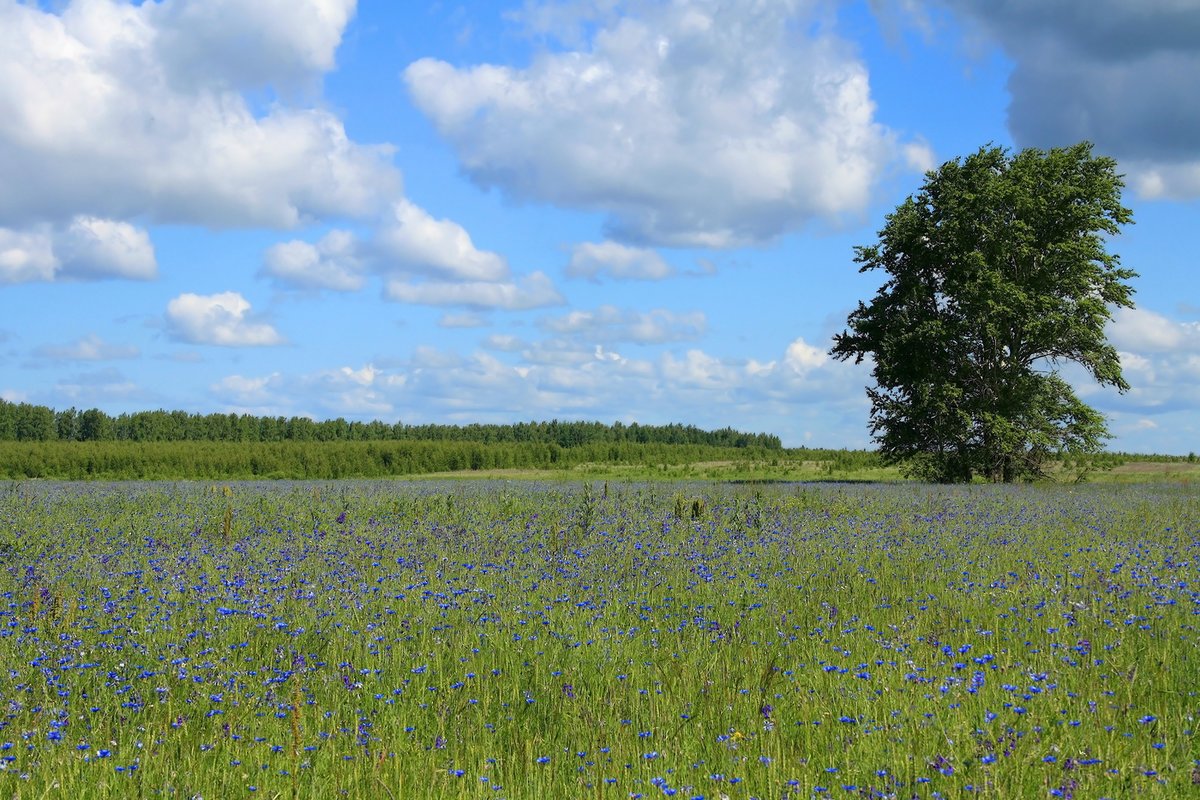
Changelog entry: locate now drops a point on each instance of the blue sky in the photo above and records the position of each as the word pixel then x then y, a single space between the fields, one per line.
pixel 490 212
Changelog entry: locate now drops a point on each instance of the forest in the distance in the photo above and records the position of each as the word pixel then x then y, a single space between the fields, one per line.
pixel 26 422
pixel 38 442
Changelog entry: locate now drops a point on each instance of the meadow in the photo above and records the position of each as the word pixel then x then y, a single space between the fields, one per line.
pixel 530 639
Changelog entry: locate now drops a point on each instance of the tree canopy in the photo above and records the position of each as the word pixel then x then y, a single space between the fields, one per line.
pixel 998 274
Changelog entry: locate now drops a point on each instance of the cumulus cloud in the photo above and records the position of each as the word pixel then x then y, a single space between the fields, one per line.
pixel 611 324
pixel 1139 330
pixel 332 263
pixel 697 369
pixel 803 357
pixel 712 123
pixel 247 392
pixel 1108 71
pixel 219 319
pixel 535 290
pixel 26 256
pixel 422 259
pixel 233 43
pixel 89 348
pixel 617 261
pixel 410 240
pixel 114 110
pixel 85 248
pixel 1160 359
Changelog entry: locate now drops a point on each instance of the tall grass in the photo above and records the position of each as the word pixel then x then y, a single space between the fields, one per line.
pixel 471 641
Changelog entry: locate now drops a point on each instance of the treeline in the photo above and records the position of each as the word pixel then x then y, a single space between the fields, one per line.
pixel 330 460
pixel 25 422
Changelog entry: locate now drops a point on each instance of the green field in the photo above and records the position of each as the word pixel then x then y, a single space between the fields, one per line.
pixel 590 639
pixel 619 461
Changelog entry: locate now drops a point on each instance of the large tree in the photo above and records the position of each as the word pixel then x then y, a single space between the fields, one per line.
pixel 998 274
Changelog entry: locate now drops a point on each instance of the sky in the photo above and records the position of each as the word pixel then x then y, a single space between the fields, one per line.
pixel 615 210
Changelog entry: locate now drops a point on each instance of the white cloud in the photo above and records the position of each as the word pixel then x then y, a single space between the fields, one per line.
pixel 247 392
pixel 411 240
pixel 114 110
pixel 1165 181
pixel 1142 331
pixel 89 348
pixel 234 43
pixel 347 390
pixel 219 319
pixel 698 369
pixel 532 291
pixel 610 324
pixel 86 248
pixel 100 248
pixel 617 261
pixel 1160 359
pixel 331 263
pixel 802 357
pixel 364 376
pixel 919 156
pixel 343 391
pixel 710 123
pixel 26 256
pixel 406 242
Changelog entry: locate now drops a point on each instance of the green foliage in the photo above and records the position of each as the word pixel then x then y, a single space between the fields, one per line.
pixel 125 460
pixel 997 274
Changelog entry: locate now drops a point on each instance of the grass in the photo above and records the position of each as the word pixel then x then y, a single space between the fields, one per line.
pixel 745 471
pixel 493 639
